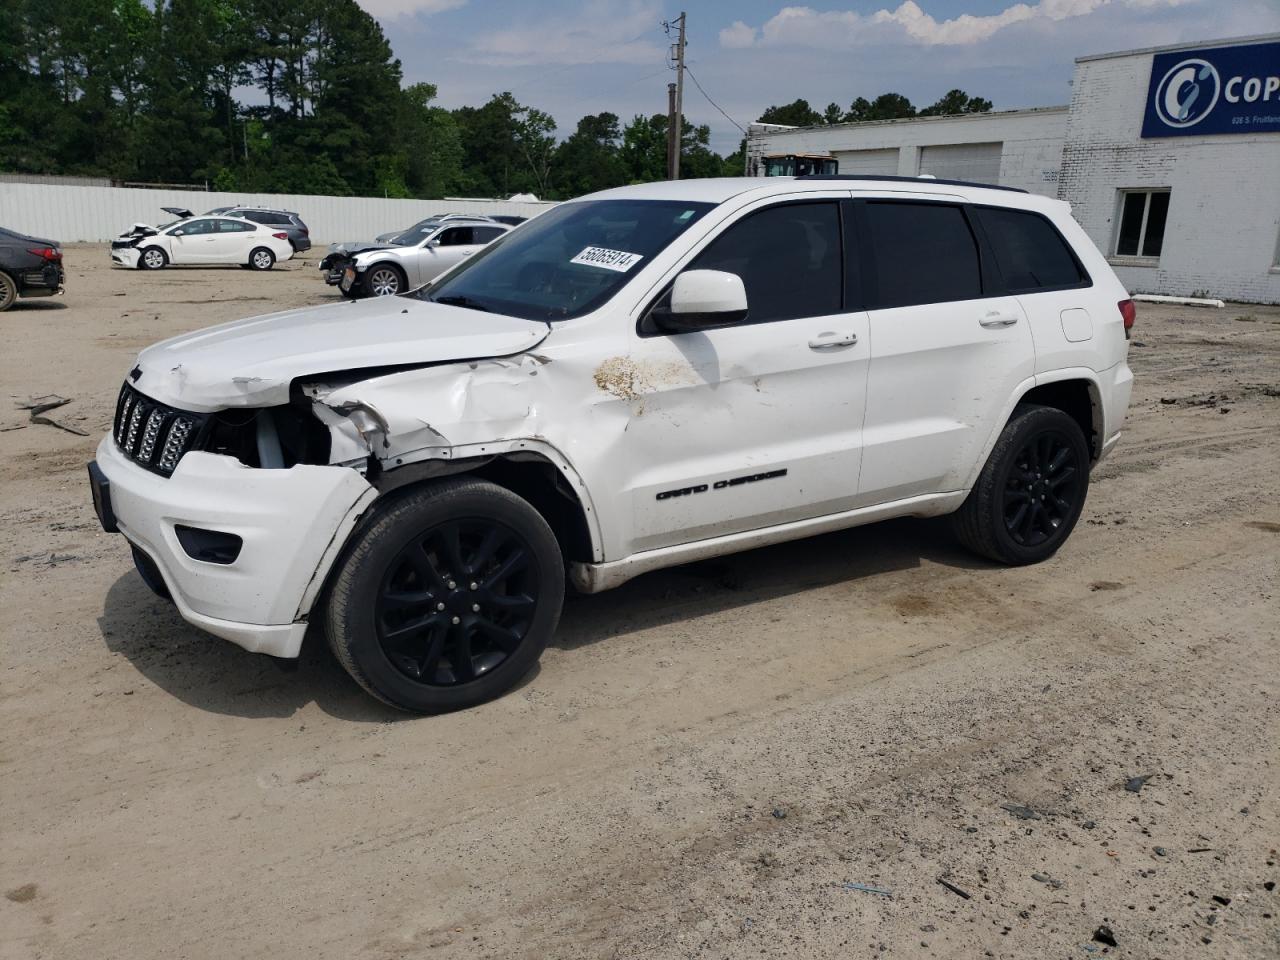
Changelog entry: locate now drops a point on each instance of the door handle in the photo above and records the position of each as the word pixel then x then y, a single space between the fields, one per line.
pixel 829 340
pixel 998 320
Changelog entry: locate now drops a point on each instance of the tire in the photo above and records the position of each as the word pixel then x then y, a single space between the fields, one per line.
pixel 260 258
pixel 152 258
pixel 8 291
pixel 457 544
pixel 384 280
pixel 1031 491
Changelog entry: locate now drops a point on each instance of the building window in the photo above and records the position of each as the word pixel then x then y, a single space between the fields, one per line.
pixel 1143 214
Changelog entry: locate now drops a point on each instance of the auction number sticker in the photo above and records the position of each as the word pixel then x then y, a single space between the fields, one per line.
pixel 618 260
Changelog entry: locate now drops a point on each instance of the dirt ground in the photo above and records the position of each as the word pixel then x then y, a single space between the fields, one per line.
pixel 706 756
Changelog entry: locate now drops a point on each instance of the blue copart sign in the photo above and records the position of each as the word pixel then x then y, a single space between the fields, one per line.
pixel 1196 93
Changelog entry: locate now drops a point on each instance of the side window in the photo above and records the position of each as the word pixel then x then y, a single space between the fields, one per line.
pixel 233 226
pixel 1029 252
pixel 195 227
pixel 455 237
pixel 923 253
pixel 256 216
pixel 485 234
pixel 788 257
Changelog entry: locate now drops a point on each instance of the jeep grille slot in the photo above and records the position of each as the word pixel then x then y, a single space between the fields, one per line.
pixel 153 435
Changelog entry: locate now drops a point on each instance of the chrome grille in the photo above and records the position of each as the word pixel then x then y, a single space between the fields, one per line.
pixel 153 435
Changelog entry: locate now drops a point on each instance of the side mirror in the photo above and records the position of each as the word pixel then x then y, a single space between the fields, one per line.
pixel 704 300
pixel 177 233
pixel 434 243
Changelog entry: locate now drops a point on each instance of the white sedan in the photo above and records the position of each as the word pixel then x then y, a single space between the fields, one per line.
pixel 202 240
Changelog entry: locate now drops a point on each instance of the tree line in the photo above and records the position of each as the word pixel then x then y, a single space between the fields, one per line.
pixel 887 106
pixel 290 96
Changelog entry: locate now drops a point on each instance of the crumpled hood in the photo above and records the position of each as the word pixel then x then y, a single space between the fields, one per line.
pixel 352 247
pixel 251 363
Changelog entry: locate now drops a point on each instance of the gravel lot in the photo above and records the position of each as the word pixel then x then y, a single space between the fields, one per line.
pixel 706 756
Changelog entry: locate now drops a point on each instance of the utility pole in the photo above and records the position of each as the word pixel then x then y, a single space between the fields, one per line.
pixel 675 100
pixel 672 151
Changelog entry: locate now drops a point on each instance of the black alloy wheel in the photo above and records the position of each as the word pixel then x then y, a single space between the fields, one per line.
pixel 1042 488
pixel 1031 491
pixel 446 595
pixel 457 601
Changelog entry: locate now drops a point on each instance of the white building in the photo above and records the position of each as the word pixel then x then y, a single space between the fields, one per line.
pixel 1170 158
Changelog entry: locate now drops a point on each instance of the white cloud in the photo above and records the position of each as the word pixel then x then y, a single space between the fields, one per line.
pixel 389 9
pixel 737 34
pixel 600 33
pixel 806 27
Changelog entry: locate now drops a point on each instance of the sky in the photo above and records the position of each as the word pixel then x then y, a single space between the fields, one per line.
pixel 576 57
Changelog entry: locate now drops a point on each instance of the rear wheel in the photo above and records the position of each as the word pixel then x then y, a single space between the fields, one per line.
pixel 8 291
pixel 1031 491
pixel 261 259
pixel 384 280
pixel 152 258
pixel 447 596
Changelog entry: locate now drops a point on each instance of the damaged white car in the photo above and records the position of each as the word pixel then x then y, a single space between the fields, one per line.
pixel 640 378
pixel 201 240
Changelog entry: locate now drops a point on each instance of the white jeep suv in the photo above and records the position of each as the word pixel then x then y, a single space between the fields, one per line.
pixel 639 378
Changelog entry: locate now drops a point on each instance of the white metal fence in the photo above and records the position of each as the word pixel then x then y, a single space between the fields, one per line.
pixel 70 214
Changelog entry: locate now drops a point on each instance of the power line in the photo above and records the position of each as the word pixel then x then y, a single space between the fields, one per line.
pixel 712 102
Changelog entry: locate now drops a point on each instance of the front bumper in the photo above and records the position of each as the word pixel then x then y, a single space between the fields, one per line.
pixel 292 523
pixel 125 256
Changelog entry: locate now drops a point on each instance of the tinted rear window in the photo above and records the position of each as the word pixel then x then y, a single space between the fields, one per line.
pixel 1029 251
pixel 923 253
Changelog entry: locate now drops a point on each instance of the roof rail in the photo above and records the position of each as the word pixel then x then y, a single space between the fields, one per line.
pixel 897 179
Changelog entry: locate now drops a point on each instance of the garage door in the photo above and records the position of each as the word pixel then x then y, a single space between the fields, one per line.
pixel 868 162
pixel 963 161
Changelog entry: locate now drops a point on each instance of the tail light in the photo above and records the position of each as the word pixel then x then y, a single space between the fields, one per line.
pixel 1129 313
pixel 48 253
pixel 281 236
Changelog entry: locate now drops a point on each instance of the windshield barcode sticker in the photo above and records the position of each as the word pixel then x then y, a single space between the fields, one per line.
pixel 618 260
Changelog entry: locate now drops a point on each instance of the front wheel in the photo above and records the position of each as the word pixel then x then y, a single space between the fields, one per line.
pixel 261 259
pixel 1031 491
pixel 152 258
pixel 447 596
pixel 384 280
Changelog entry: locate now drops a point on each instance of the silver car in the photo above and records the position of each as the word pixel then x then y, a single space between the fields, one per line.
pixel 410 259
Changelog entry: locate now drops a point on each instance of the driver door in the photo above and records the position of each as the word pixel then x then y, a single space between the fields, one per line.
pixel 758 423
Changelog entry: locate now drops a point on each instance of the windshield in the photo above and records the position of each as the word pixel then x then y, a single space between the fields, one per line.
pixel 415 234
pixel 569 260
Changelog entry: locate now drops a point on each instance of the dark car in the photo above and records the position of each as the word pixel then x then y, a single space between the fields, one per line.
pixel 286 220
pixel 29 267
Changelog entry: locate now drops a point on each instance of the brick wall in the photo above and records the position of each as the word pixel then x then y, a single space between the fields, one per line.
pixel 1224 208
